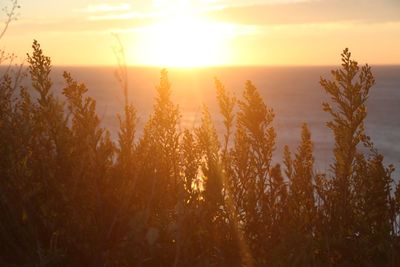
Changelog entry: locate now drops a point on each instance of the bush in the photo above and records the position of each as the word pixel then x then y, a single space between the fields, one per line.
pixel 71 196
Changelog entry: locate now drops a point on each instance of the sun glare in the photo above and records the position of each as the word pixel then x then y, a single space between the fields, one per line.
pixel 185 39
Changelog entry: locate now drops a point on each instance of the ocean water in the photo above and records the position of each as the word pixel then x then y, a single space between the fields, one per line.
pixel 293 93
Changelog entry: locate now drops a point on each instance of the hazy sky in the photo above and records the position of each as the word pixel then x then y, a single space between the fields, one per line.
pixel 209 32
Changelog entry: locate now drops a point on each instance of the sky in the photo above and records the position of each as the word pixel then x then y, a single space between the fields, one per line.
pixel 208 32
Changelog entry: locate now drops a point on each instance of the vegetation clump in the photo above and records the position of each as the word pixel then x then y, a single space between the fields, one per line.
pixel 72 196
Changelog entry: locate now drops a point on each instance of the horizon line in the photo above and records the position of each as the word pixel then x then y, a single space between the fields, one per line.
pixel 217 66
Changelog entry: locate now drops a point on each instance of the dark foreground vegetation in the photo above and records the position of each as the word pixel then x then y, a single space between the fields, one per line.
pixel 71 196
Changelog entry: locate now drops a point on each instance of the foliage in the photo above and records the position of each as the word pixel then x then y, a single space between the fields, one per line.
pixel 72 196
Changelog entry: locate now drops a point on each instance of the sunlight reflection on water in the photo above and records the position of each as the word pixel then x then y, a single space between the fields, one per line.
pixel 293 92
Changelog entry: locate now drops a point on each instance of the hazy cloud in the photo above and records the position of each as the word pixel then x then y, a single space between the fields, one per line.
pixel 81 25
pixel 100 8
pixel 126 16
pixel 311 12
pixel 121 16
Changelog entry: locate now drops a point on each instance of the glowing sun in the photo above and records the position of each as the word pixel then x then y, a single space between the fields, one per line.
pixel 185 40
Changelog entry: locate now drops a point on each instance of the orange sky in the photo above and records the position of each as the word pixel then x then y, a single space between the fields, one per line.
pixel 209 32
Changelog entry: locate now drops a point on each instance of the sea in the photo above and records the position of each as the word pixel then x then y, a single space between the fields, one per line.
pixel 294 94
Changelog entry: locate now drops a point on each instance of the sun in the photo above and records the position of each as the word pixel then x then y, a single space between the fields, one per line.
pixel 185 40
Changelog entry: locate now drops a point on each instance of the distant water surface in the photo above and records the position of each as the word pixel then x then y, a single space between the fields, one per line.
pixel 294 94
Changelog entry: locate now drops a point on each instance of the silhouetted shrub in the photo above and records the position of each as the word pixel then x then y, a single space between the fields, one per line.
pixel 71 196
